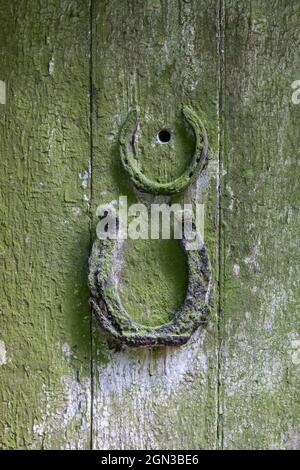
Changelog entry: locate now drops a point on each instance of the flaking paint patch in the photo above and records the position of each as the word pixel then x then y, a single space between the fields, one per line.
pixel 76 211
pixel 134 378
pixel 236 270
pixel 231 195
pixel 172 369
pixel 289 440
pixel 3 353
pixel 51 66
pixel 75 404
pixel 204 179
pixel 252 261
pixel 295 351
pixel 254 358
pixel 84 176
pixel 66 350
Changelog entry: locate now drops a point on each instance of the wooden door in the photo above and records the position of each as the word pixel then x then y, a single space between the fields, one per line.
pixel 70 71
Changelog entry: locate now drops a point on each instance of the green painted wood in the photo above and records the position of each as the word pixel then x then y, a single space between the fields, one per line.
pixel 70 66
pixel 157 56
pixel 44 240
pixel 261 262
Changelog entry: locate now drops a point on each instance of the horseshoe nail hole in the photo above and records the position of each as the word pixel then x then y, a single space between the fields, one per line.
pixel 164 136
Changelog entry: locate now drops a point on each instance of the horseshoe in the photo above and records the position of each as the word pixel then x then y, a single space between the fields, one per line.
pixel 127 154
pixel 112 316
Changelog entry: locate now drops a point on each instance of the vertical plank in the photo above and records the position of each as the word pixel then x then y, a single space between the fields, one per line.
pixel 44 178
pixel 158 55
pixel 261 334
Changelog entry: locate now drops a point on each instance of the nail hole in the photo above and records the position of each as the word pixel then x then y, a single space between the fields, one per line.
pixel 164 136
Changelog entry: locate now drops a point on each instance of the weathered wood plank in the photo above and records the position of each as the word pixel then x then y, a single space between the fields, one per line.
pixel 44 178
pixel 260 328
pixel 158 55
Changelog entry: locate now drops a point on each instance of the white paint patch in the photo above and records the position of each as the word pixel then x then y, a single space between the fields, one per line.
pixel 295 346
pixel 230 192
pixel 84 179
pixel 289 440
pixel 236 270
pixel 3 353
pixel 69 417
pixel 134 383
pixel 76 210
pixel 66 350
pixel 51 141
pixel 51 66
pixel 252 261
pixel 2 92
pixel 291 161
pixel 255 360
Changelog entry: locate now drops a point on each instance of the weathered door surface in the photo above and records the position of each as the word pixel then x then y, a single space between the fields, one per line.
pixel 72 70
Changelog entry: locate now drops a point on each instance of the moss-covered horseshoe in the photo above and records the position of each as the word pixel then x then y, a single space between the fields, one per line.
pixel 112 316
pixel 127 154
